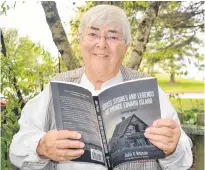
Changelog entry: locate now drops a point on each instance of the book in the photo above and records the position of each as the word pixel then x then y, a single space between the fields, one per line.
pixel 112 124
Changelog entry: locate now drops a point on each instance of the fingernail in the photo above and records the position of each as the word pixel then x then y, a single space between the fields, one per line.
pixel 78 135
pixel 147 130
pixel 155 124
pixel 81 151
pixel 82 145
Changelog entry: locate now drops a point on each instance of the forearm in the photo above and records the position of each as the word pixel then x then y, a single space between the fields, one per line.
pixel 24 143
pixel 181 158
pixel 23 151
pixel 28 162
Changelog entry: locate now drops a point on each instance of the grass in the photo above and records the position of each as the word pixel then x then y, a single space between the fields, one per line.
pixel 191 109
pixel 187 104
pixel 181 85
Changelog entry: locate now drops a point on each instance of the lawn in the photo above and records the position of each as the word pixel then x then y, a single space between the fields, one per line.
pixel 181 85
pixel 187 104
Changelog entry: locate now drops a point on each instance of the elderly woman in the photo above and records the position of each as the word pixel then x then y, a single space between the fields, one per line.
pixel 104 39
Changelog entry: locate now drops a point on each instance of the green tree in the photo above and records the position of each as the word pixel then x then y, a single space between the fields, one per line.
pixel 25 67
pixel 163 33
pixel 174 38
pixel 158 38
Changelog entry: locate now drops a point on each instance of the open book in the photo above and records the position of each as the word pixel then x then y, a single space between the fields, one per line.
pixel 113 123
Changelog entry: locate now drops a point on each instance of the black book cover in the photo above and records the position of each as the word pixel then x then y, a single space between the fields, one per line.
pixel 113 123
pixel 74 110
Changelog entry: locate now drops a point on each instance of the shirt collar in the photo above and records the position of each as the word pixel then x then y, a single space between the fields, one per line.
pixel 88 85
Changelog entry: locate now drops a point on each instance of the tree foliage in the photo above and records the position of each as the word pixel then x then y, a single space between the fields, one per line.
pixel 172 36
pixel 24 69
pixel 5 6
pixel 163 33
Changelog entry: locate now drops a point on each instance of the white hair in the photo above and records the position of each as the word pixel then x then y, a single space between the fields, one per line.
pixel 107 15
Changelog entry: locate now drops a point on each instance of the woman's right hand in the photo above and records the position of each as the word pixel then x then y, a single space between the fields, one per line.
pixel 60 145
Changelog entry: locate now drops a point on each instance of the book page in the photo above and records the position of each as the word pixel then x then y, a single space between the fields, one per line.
pixel 127 110
pixel 74 110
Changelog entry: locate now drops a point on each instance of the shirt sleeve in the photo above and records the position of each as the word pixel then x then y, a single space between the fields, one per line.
pixel 181 158
pixel 24 143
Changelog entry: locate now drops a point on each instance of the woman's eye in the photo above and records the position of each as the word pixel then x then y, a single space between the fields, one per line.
pixel 92 34
pixel 114 38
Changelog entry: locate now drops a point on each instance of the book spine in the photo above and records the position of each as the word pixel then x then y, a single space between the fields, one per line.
pixel 57 105
pixel 102 131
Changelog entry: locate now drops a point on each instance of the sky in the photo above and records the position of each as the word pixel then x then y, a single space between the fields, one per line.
pixel 29 19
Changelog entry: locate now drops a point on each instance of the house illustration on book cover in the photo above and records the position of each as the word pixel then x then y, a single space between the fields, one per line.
pixel 129 135
pixel 132 131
